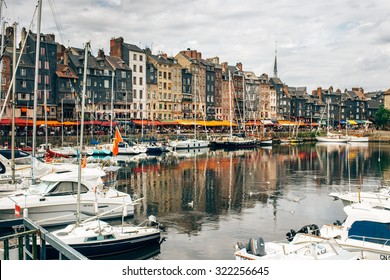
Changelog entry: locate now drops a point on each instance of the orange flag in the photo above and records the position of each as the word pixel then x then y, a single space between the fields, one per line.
pixel 84 164
pixel 117 139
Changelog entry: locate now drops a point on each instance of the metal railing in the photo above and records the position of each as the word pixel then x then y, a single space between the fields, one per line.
pixel 28 242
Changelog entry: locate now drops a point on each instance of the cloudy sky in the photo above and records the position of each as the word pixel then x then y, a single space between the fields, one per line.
pixel 339 43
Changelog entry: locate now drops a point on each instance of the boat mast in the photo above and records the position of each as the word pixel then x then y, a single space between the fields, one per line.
pixel 244 103
pixel 230 107
pixel 87 46
pixel 37 52
pixel 13 110
pixel 112 103
pixel 195 107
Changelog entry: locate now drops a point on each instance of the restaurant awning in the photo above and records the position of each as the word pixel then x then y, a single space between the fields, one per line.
pixel 352 122
pixel 254 123
pixel 168 122
pixel 23 109
pixel 49 123
pixel 287 123
pixel 95 122
pixel 18 122
pixel 108 123
pixel 70 123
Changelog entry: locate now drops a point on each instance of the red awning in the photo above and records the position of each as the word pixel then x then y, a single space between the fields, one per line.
pixel 108 123
pixel 18 122
pixel 93 122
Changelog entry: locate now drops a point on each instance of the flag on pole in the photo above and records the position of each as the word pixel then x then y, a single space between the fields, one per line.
pixel 117 139
pixel 84 164
pixel 17 211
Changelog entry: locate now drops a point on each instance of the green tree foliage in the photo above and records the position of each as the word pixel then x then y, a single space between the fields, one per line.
pixel 382 116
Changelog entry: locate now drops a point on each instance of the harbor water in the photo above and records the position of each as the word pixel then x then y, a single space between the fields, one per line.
pixel 209 200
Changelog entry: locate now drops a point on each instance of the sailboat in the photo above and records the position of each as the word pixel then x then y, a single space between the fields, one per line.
pixel 193 143
pixel 237 142
pixel 94 238
pixel 331 137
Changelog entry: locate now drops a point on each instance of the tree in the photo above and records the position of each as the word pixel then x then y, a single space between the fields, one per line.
pixel 382 116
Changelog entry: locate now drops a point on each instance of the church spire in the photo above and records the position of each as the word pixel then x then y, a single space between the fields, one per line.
pixel 276 62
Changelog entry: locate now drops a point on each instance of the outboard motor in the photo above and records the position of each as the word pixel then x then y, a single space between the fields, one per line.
pixel 256 247
pixel 337 223
pixel 290 235
pixel 308 229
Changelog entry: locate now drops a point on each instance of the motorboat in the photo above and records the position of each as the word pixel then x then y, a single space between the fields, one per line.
pixel 97 239
pixel 315 248
pixel 333 138
pixel 366 230
pixel 237 142
pixel 20 157
pixel 53 201
pixel 265 142
pixel 157 148
pixel 192 143
pixel 379 196
pixel 359 139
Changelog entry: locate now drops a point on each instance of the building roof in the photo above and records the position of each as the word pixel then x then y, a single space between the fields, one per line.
pixel 133 48
pixel 64 71
pixel 276 81
pixel 117 63
pixel 373 104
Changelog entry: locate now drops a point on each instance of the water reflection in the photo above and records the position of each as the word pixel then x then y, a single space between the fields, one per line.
pixel 210 199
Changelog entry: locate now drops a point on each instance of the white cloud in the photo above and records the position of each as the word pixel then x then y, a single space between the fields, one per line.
pixel 341 43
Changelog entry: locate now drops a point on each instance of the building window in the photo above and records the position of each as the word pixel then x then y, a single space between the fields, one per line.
pixel 140 69
pixel 106 84
pixel 141 58
pixel 135 93
pixel 134 80
pixel 47 80
pixel 123 74
pixel 140 81
pixel 22 72
pixel 134 57
pixel 42 51
pixel 134 68
pixel 140 94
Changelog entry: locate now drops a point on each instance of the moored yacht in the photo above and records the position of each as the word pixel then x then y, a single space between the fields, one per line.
pixel 53 201
pixel 365 230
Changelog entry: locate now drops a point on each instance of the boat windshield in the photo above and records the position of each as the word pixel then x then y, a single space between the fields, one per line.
pixel 42 188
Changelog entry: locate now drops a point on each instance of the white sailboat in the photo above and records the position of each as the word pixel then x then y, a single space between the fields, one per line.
pixel 236 142
pixel 331 137
pixel 193 143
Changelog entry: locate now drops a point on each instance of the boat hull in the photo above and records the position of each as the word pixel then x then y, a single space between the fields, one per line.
pixel 331 139
pixel 104 248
